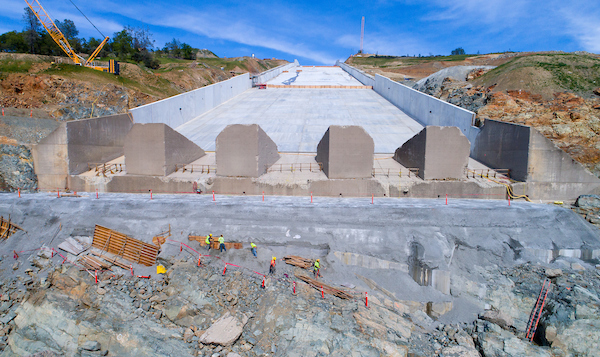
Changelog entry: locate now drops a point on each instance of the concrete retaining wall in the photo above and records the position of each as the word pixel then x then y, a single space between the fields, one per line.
pixel 273 72
pixel 71 147
pixel 361 76
pixel 177 110
pixel 426 109
pixel 346 152
pixel 96 140
pixel 548 171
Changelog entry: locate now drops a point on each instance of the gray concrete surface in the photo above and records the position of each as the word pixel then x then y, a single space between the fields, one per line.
pixel 361 76
pixel 177 110
pixel 296 119
pixel 244 150
pixel 426 109
pixel 548 171
pixel 383 239
pixel 51 159
pixel 273 72
pixel 439 152
pixel 315 76
pixel 346 152
pixel 156 149
pixel 73 145
pixel 504 146
pixel 96 140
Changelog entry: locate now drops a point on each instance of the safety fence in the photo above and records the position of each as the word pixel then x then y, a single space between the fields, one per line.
pixel 203 169
pixel 104 169
pixel 488 173
pixel 301 167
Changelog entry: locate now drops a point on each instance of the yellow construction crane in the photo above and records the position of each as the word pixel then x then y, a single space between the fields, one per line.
pixel 61 41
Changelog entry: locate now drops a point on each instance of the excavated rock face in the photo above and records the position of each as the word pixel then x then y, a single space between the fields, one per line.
pixel 16 168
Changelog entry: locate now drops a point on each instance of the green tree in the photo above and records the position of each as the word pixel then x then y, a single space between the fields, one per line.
pixel 187 52
pixel 122 44
pixel 458 51
pixel 68 28
pixel 13 41
pixel 33 29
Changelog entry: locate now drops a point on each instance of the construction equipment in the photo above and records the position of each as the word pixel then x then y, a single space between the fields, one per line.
pixel 536 313
pixel 63 43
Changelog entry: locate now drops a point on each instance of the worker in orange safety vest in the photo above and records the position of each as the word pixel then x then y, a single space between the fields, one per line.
pixel 272 267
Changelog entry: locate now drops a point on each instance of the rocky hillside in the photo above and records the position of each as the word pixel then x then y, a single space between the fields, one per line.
pixel 556 93
pixel 49 309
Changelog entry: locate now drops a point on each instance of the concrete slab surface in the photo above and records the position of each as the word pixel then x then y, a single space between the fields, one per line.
pixel 315 76
pixel 296 119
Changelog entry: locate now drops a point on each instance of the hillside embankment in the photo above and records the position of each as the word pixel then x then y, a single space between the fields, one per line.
pixel 556 93
pixel 38 92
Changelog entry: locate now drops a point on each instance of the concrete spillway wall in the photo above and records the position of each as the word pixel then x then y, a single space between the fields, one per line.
pixel 425 109
pixel 177 110
pixel 273 72
pixel 361 76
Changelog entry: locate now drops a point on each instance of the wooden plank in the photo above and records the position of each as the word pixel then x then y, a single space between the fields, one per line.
pixel 125 246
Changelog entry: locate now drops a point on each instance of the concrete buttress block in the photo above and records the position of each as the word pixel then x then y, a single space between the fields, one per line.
pixel 155 149
pixel 346 152
pixel 439 152
pixel 244 151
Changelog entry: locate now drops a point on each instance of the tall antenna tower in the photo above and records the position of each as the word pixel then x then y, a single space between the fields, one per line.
pixel 362 33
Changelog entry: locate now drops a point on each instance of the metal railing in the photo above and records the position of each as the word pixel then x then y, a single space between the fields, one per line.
pixel 203 169
pixel 409 172
pixel 104 169
pixel 487 173
pixel 301 167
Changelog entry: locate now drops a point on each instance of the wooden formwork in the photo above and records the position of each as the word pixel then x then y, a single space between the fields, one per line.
pixel 122 245
pixel 7 228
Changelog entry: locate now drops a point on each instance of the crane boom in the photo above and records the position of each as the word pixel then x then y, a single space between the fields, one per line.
pixel 53 30
pixel 63 43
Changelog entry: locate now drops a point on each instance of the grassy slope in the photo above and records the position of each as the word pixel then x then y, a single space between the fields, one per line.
pixel 145 80
pixel 387 61
pixel 546 73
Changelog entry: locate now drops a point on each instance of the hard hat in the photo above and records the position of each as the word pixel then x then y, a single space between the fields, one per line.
pixel 274 258
pixel 210 234
pixel 318 260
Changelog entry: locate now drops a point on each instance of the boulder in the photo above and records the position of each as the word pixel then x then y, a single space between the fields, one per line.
pixel 225 331
pixel 91 346
pixel 553 273
pixel 499 318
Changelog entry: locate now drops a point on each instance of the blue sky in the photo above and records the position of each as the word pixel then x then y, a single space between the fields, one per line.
pixel 320 32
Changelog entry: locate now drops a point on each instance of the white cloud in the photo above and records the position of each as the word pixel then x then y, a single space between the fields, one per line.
pixel 584 25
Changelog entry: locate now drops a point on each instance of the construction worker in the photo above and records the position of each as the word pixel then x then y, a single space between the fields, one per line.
pixel 208 241
pixel 272 267
pixel 253 249
pixel 316 267
pixel 222 244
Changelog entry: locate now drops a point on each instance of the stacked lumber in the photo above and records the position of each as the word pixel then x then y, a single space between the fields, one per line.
pixel 112 260
pixel 327 289
pixel 7 228
pixel 298 261
pixel 161 238
pixel 124 246
pixel 215 243
pixel 92 263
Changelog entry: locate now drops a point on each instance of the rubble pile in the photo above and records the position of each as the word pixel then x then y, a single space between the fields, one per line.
pixel 52 309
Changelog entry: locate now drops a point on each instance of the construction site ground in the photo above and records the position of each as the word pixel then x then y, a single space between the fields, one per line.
pixel 364 247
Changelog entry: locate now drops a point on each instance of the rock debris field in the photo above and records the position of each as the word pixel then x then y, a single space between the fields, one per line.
pixel 492 257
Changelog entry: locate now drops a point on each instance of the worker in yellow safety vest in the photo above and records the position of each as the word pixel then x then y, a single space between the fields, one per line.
pixel 222 244
pixel 272 267
pixel 208 241
pixel 253 248
pixel 317 267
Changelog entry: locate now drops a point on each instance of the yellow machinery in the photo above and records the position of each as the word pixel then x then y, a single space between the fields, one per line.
pixel 61 41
